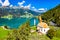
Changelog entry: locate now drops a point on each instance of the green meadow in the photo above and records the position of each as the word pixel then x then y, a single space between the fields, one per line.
pixel 33 36
pixel 4 33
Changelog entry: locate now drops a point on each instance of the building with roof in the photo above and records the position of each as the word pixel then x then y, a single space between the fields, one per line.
pixel 42 27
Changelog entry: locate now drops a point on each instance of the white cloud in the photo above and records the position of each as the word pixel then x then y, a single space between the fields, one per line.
pixel 42 9
pixel 21 3
pixel 33 7
pixel 1 1
pixel 11 5
pixel 27 7
pixel 6 3
pixel 22 6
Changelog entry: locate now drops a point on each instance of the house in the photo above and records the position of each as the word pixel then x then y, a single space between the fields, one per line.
pixel 42 27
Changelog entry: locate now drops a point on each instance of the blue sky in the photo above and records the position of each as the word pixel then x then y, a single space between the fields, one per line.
pixel 35 4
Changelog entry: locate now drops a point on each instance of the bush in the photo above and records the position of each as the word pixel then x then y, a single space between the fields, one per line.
pixel 13 35
pixel 21 34
pixel 24 31
pixel 51 33
pixel 6 27
pixel 58 33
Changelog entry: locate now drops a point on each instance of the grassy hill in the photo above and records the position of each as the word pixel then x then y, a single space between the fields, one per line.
pixel 3 33
pixel 53 15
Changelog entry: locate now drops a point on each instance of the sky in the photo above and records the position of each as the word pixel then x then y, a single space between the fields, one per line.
pixel 31 4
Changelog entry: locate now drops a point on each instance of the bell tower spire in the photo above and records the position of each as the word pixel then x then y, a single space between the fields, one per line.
pixel 40 19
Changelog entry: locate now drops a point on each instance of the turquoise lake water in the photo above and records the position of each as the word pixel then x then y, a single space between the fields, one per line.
pixel 16 22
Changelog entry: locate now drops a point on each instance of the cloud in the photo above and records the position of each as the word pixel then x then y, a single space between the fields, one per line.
pixel 1 1
pixel 42 9
pixel 28 6
pixel 5 3
pixel 33 7
pixel 22 6
pixel 21 3
pixel 11 5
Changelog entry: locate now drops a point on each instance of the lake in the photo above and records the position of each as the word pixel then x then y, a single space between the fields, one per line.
pixel 16 22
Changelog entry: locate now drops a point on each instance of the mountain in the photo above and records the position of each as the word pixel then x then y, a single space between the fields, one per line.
pixel 52 15
pixel 16 11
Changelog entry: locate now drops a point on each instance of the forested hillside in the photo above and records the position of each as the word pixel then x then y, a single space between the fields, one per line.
pixel 53 15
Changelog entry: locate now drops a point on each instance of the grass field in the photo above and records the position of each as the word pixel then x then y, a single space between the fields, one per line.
pixel 3 33
pixel 33 36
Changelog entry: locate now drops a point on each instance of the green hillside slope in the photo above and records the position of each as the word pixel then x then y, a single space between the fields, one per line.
pixel 53 15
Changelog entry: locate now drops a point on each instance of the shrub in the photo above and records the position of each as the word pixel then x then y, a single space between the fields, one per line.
pixel 51 33
pixel 13 35
pixel 58 33
pixel 21 34
pixel 24 31
pixel 6 27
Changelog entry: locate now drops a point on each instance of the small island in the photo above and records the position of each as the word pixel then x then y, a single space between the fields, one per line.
pixel 9 16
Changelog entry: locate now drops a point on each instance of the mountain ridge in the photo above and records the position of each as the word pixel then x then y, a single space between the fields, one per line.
pixel 16 11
